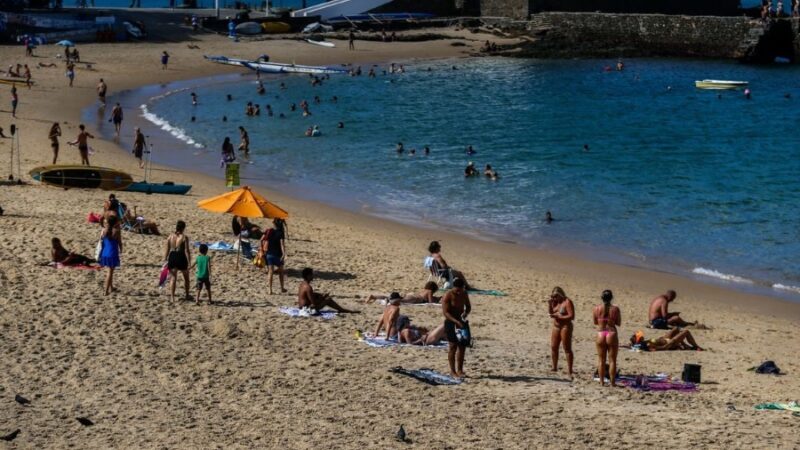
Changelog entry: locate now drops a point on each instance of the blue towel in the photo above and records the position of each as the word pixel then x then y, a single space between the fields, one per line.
pixel 429 376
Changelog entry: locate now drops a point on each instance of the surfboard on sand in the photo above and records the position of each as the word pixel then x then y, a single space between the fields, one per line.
pixel 85 177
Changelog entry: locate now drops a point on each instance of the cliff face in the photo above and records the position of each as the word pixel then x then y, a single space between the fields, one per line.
pixel 611 35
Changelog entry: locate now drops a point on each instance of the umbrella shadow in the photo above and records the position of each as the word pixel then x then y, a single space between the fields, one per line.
pixel 322 275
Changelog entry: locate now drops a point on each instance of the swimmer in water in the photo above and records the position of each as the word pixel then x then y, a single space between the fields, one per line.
pixel 340 125
pixel 586 147
pixel 334 99
pixel 620 66
pixel 427 150
pixel 292 107
pixel 548 217
pixel 260 89
pixel 256 110
pixel 244 143
pixel 470 170
pixel 248 109
pixel 400 149
pixel 747 94
pixel 194 99
pixel 224 118
pixel 283 86
pixel 281 116
pixel 229 97
pixel 470 150
pixel 490 173
pixel 194 118
pixel 317 99
pixel 269 110
pixel 412 152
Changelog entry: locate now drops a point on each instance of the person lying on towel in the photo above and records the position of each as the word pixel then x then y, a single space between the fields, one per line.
pixel 675 339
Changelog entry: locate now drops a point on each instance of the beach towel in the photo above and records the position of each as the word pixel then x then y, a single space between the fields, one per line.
pixel 428 376
pixel 163 276
pixel 385 302
pixel 220 246
pixel 382 342
pixel 75 266
pixel 657 382
pixel 791 406
pixel 305 312
pixel 490 292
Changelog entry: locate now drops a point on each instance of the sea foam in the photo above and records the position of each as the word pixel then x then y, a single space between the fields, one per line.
pixel 722 276
pixel 177 132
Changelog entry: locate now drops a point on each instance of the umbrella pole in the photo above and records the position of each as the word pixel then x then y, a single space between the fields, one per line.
pixel 239 251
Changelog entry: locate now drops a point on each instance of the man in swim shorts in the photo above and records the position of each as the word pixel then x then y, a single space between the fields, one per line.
pixel 659 316
pixel 307 298
pixel 456 307
pixel 82 141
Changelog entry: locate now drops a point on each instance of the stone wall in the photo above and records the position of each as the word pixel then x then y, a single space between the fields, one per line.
pixel 597 34
pixel 514 9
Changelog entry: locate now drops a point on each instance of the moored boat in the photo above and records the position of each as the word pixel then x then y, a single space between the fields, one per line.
pixel 720 84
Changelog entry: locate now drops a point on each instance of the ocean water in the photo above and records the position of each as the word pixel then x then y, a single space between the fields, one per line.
pixel 690 181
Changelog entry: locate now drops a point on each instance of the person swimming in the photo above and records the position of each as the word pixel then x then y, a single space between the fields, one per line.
pixel 470 150
pixel 399 148
pixel 548 217
pixel 470 170
pixel 427 150
pixel 261 89
pixel 490 173
pixel 586 147
pixel 229 97
pixel 194 99
pixel 340 125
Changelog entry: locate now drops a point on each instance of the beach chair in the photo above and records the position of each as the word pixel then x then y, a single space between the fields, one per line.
pixel 437 273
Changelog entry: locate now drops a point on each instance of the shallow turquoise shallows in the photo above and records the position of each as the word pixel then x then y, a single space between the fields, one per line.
pixel 675 178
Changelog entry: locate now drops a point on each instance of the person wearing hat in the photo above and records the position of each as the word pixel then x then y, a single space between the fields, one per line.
pixel 470 170
pixel 138 146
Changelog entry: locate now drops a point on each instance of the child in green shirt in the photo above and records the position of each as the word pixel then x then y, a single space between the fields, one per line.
pixel 203 273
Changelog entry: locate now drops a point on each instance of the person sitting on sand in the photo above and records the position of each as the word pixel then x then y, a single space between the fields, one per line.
pixel 435 250
pixel 307 298
pixel 424 296
pixel 415 335
pixel 60 255
pixel 391 321
pixel 659 316
pixel 675 339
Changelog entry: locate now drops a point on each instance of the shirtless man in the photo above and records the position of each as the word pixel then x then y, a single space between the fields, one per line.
pixel 456 308
pixel 101 91
pixel 82 141
pixel 424 296
pixel 659 316
pixel 391 320
pixel 307 298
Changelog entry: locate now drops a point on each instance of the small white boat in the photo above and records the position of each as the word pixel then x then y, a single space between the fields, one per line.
pixel 720 84
pixel 321 43
pixel 273 67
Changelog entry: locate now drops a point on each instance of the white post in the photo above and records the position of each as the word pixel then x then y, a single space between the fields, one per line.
pixel 216 6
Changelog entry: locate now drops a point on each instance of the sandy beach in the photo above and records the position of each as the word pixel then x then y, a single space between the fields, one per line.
pixel 239 374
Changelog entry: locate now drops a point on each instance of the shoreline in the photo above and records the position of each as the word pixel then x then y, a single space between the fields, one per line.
pixel 134 97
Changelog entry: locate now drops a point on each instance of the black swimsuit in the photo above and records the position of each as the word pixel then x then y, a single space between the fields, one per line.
pixel 176 260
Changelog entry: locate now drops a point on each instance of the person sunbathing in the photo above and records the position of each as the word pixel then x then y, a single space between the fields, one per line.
pixel 61 255
pixel 659 316
pixel 138 223
pixel 415 335
pixel 675 339
pixel 424 296
pixel 307 298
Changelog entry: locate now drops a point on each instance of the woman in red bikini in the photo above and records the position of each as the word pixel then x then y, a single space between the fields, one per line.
pixel 607 318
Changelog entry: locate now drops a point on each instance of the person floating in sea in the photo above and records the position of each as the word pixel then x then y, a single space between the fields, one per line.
pixel 194 99
pixel 470 150
pixel 399 148
pixel 138 146
pixel 562 311
pixel 340 125
pixel 490 173
pixel 82 141
pixel 548 217
pixel 228 155
pixel 620 66
pixel 53 135
pixel 229 97
pixel 747 94
pixel 659 316
pixel 426 150
pixel 313 131
pixel 248 109
pixel 269 110
pixel 256 110
pixel 470 170
pixel 585 147
pixel 455 308
pixel 260 89
pixel 244 141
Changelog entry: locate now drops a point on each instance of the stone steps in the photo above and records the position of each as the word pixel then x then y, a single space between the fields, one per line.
pixel 750 41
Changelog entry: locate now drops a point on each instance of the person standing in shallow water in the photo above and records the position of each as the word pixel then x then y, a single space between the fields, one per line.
pixel 164 60
pixel 562 311
pixel 116 118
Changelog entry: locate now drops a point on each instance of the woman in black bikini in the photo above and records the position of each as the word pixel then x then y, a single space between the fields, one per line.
pixel 178 257
pixel 562 311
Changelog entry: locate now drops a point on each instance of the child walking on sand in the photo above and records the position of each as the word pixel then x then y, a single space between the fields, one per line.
pixel 203 273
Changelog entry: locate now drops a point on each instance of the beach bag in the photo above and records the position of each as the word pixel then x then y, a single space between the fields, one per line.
pixel 163 276
pixel 768 367
pixel 464 336
pixel 258 261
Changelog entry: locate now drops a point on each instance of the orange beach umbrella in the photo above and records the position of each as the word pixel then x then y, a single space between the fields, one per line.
pixel 244 203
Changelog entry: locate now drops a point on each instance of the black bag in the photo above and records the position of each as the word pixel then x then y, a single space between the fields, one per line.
pixel 691 373
pixel 768 367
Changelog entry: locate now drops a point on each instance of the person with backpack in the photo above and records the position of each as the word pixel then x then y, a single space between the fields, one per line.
pixel 273 248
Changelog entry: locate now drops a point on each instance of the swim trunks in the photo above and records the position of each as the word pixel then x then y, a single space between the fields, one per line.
pixel 659 323
pixel 203 282
pixel 450 332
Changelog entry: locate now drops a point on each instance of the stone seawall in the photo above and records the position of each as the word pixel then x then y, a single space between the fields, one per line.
pixel 599 34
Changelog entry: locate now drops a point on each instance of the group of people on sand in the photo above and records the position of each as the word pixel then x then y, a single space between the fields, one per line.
pixel 607 317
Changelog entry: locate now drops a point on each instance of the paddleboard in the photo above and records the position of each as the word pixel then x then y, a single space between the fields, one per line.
pixel 321 43
pixel 84 177
pixel 13 81
pixel 275 27
pixel 248 28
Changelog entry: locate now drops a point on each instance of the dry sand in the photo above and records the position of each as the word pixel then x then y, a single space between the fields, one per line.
pixel 240 375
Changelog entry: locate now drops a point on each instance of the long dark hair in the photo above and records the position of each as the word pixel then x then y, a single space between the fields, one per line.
pixel 607 297
pixel 281 226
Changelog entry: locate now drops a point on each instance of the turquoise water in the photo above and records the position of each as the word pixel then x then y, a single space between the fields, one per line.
pixel 676 178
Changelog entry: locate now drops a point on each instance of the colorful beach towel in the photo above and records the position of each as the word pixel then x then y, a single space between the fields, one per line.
pixel 490 292
pixel 163 276
pixel 220 246
pixel 791 406
pixel 428 376
pixel 657 382
pixel 385 302
pixel 382 342
pixel 305 312
pixel 75 266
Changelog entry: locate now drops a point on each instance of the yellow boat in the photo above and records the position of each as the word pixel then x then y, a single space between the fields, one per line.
pixel 85 177
pixel 720 84
pixel 275 27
